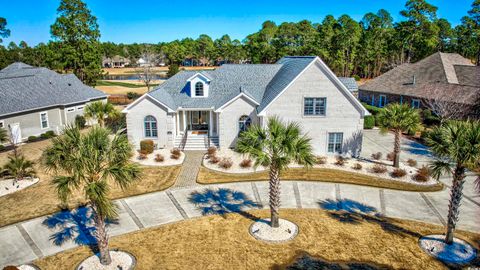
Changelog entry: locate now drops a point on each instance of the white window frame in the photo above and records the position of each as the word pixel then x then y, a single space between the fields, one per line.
pixel 150 127
pixel 417 101
pixel 314 100
pixel 80 108
pixel 384 98
pixel 71 109
pixel 46 119
pixel 334 143
pixel 195 89
pixel 2 124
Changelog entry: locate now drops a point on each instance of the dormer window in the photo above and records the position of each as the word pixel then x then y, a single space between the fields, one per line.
pixel 199 89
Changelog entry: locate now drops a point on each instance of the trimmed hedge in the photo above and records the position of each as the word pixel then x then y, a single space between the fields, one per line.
pixel 147 146
pixel 80 121
pixel 369 122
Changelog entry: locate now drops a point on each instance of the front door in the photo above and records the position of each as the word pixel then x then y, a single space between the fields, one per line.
pixel 16 133
pixel 199 120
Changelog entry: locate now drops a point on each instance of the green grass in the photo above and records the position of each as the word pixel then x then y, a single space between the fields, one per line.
pixel 123 84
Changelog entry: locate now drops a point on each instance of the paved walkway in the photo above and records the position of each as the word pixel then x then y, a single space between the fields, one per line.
pixel 29 240
pixel 26 241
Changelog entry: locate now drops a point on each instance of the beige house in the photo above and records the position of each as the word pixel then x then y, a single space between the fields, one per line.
pixel 34 100
pixel 194 110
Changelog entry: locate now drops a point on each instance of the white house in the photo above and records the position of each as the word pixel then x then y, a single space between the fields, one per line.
pixel 193 110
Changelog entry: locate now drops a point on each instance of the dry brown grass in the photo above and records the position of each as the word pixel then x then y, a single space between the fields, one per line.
pixel 41 198
pixel 207 176
pixel 215 242
pixel 120 90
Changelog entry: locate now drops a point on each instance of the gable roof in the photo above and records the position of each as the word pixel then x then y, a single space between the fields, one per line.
pixel 25 88
pixel 260 83
pixel 445 71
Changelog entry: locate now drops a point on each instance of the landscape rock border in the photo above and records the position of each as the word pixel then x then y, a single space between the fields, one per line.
pixel 459 252
pixel 261 230
pixel 112 266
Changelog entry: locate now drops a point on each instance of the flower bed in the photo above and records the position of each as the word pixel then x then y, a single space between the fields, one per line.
pixel 153 160
pixel 8 186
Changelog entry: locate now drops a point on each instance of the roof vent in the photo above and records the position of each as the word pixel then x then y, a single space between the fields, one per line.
pixel 50 82
pixel 413 80
pixel 69 84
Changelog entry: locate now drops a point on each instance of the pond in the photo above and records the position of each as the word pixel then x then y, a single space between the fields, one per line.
pixel 133 77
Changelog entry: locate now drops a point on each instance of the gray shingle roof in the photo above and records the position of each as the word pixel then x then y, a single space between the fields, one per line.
pixel 261 82
pixel 350 83
pixel 24 88
pixel 437 71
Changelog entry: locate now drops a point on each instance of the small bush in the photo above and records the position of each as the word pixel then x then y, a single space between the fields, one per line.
pixel 133 95
pixel 377 155
pixel 50 134
pixel 176 151
pixel 378 168
pixel 214 159
pixel 174 156
pixel 369 122
pixel 390 156
pixel 80 121
pixel 147 146
pixel 142 156
pixel 397 172
pixel 412 162
pixel 357 166
pixel 321 160
pixel 211 151
pixel 246 163
pixel 422 174
pixel 225 163
pixel 32 138
pixel 340 161
pixel 159 158
pixel 44 136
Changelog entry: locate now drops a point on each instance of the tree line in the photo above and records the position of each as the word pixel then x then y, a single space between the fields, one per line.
pixel 364 48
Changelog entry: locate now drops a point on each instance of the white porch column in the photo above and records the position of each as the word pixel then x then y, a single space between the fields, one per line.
pixel 210 123
pixel 184 121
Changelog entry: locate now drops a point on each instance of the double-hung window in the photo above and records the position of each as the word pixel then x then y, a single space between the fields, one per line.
pixel 314 106
pixel 335 141
pixel 44 120
pixel 150 124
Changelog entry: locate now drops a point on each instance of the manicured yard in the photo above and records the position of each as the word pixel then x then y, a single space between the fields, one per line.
pixel 41 199
pixel 217 242
pixel 207 176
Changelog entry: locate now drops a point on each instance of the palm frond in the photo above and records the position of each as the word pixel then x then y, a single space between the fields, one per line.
pixel 64 186
pixel 440 167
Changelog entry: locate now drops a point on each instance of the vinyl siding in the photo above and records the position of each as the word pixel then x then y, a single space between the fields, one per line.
pixel 30 122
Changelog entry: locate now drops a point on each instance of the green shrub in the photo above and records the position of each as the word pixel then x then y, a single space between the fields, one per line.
pixel 80 121
pixel 430 118
pixel 47 135
pixel 369 122
pixel 44 136
pixel 372 109
pixel 132 95
pixel 356 77
pixel 147 146
pixel 32 138
pixel 2 147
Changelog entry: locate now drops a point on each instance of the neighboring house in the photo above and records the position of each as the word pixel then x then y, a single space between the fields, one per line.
pixel 442 77
pixel 115 62
pixel 198 109
pixel 34 100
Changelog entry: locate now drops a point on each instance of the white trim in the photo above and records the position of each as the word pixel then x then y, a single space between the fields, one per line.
pixel 80 108
pixel 46 118
pixel 199 74
pixel 142 98
pixel 235 98
pixel 70 109
pixel 333 78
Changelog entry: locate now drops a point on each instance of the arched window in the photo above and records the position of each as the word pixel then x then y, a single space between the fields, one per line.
pixel 244 123
pixel 150 124
pixel 199 89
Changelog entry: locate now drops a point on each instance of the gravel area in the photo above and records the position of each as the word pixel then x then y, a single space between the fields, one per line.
pixel 168 161
pixel 262 230
pixel 459 252
pixel 8 186
pixel 120 260
pixel 366 165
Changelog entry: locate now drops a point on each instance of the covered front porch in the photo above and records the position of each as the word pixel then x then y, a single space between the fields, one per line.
pixel 203 122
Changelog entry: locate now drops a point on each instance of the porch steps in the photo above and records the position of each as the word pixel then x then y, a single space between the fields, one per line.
pixel 196 142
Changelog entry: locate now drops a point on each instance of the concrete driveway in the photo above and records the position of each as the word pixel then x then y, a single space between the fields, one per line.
pixel 26 241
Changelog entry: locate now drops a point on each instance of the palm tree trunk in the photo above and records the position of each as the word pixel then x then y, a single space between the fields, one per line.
pixel 274 195
pixel 396 148
pixel 102 238
pixel 454 205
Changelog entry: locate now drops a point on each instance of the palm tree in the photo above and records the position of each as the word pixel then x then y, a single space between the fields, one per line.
pixel 398 118
pixel 456 145
pixel 91 162
pixel 100 110
pixel 3 135
pixel 276 146
pixel 19 167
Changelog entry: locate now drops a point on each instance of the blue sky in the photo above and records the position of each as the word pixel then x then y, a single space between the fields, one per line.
pixel 155 21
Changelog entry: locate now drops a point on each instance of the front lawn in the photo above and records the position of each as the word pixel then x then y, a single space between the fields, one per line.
pixel 217 242
pixel 207 176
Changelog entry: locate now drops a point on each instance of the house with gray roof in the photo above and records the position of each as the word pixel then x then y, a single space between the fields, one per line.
pixel 442 77
pixel 34 100
pixel 196 109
